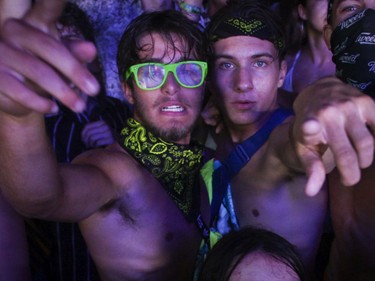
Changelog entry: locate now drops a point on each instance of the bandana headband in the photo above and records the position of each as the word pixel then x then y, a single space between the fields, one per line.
pixel 240 27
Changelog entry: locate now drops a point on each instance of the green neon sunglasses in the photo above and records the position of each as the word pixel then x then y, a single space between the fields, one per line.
pixel 151 75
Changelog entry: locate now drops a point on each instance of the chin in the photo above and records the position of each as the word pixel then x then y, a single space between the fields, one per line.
pixel 174 134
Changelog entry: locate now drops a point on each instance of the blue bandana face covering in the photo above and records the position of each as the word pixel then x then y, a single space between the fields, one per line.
pixel 353 47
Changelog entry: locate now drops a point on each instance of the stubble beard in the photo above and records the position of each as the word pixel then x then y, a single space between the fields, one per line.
pixel 175 132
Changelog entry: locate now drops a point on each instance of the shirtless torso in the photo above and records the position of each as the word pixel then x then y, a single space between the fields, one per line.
pixel 267 194
pixel 136 236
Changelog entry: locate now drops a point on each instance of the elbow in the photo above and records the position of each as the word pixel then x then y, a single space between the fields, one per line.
pixel 34 207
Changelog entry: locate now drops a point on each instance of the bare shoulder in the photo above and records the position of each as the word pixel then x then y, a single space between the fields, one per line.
pixel 114 162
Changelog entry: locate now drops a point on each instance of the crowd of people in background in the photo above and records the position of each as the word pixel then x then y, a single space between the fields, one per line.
pixel 187 140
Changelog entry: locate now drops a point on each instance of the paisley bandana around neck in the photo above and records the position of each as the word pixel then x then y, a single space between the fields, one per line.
pixel 175 166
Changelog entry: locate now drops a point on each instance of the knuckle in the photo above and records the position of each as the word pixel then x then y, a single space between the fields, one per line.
pixel 366 143
pixel 346 157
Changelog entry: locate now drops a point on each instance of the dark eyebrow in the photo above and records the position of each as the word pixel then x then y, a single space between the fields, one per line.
pixel 268 55
pixel 224 56
pixel 158 60
pixel 339 2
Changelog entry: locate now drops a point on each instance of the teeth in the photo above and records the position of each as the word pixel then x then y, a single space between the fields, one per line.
pixel 173 108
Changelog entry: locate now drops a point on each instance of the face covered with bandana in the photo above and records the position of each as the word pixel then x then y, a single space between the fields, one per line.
pixel 353 47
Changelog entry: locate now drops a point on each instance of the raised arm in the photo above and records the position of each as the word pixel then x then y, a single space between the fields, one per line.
pixel 333 126
pixel 34 66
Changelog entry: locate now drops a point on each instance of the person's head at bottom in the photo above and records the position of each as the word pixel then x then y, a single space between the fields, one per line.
pixel 252 254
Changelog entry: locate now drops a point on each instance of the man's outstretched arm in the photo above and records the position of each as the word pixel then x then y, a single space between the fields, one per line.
pixel 34 67
pixel 333 127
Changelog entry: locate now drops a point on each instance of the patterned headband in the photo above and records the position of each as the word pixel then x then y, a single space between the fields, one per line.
pixel 233 26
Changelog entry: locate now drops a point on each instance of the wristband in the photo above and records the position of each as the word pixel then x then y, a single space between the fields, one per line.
pixel 190 8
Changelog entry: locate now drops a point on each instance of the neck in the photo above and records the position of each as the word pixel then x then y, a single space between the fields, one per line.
pixel 240 133
pixel 317 48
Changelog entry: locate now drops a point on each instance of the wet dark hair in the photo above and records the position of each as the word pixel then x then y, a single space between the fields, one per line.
pixel 247 10
pixel 233 247
pixel 166 23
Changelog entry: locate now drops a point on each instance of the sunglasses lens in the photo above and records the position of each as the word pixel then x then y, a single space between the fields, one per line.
pixel 150 76
pixel 190 74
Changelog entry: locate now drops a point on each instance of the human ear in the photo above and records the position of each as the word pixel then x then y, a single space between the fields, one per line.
pixel 282 73
pixel 301 10
pixel 327 32
pixel 128 93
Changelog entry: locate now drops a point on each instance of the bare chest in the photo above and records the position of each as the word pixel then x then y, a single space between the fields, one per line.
pixel 142 236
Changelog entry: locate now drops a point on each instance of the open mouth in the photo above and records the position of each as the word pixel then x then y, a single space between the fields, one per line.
pixel 172 108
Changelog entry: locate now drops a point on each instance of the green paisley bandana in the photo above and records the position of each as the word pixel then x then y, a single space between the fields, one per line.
pixel 175 166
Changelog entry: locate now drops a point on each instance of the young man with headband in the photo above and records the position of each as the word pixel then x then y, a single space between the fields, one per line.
pixel 138 201
pixel 257 174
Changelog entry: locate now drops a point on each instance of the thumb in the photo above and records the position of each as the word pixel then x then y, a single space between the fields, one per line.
pixel 44 14
pixel 13 9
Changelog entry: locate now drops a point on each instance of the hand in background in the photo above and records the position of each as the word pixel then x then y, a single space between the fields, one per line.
pixel 35 65
pixel 97 134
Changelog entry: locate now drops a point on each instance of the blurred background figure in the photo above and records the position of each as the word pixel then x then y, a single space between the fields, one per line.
pixel 308 55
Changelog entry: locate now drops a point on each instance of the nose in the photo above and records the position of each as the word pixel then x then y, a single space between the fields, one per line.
pixel 171 86
pixel 242 80
pixel 370 4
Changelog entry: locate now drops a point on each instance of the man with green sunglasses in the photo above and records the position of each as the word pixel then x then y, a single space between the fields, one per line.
pixel 138 202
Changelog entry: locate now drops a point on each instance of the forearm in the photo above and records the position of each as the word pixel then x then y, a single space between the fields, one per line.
pixel 28 169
